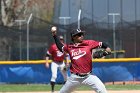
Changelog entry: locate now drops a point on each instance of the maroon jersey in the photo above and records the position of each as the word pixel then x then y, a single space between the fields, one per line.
pixel 57 55
pixel 81 55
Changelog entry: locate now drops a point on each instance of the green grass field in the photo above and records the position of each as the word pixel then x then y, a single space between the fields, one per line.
pixel 44 87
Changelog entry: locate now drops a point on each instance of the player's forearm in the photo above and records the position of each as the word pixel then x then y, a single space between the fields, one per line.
pixel 107 49
pixel 58 43
pixel 47 58
pixel 47 63
pixel 67 60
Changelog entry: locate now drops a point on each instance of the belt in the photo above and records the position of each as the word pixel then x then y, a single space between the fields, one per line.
pixel 81 74
pixel 58 61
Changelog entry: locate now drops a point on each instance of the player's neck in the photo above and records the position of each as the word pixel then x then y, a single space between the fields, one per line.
pixel 76 44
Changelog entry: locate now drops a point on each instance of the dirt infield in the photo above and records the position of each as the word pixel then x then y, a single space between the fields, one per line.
pixel 110 91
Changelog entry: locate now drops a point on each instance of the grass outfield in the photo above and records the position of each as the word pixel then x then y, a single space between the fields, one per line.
pixel 43 87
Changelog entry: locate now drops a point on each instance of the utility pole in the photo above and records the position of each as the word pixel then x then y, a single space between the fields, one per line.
pixel 29 19
pixel 20 37
pixel 114 32
pixel 79 17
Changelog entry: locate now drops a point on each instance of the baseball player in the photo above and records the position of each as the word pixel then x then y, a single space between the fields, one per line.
pixel 57 62
pixel 80 52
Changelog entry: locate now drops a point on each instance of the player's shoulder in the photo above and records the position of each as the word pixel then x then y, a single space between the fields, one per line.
pixel 88 41
pixel 53 45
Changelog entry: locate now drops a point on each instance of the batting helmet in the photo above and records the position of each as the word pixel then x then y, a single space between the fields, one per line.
pixel 76 31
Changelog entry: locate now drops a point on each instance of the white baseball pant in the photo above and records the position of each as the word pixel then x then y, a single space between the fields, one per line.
pixel 54 67
pixel 91 80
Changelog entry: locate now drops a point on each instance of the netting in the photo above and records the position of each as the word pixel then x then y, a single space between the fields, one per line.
pixel 14 40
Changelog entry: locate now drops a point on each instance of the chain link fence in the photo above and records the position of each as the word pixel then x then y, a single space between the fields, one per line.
pixel 13 41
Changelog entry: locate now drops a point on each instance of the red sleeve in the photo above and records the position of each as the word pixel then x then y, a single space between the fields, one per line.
pixel 94 44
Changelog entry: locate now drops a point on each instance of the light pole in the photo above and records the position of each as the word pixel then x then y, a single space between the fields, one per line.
pixel 79 17
pixel 114 32
pixel 29 19
pixel 64 19
pixel 20 37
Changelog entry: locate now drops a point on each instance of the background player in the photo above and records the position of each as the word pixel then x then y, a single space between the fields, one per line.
pixel 57 62
pixel 81 61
